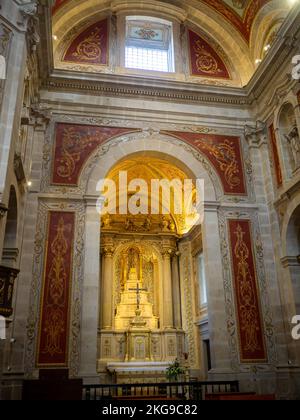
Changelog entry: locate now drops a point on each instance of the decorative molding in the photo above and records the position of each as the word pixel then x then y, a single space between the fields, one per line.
pixel 191 92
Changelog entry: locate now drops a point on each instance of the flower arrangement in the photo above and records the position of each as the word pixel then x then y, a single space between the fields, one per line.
pixel 174 370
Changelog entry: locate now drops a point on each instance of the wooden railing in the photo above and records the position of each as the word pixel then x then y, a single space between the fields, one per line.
pixel 180 391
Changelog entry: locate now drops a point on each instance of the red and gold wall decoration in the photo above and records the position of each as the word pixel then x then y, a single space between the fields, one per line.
pixel 250 325
pixel 58 4
pixel 243 23
pixel 224 153
pixel 91 46
pixel 204 61
pixel 74 144
pixel 57 285
pixel 277 166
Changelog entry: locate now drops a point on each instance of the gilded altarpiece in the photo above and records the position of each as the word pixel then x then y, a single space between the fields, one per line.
pixel 138 338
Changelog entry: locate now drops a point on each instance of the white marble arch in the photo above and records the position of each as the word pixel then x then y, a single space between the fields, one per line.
pixel 176 152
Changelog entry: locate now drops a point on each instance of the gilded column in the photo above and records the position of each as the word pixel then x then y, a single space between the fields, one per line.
pixel 176 291
pixel 107 286
pixel 167 288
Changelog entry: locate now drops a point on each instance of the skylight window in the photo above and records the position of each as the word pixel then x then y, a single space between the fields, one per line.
pixel 149 45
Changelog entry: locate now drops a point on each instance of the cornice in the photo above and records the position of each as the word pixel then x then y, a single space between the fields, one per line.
pixel 115 85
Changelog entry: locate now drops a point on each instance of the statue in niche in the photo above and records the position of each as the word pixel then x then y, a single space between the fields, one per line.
pixel 130 261
pixel 294 146
pixel 134 260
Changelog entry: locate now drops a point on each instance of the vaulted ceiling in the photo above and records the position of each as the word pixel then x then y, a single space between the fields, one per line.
pixel 242 29
pixel 240 13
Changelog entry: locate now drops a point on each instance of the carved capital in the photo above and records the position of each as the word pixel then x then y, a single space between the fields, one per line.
pixel 40 116
pixel 108 251
pixel 108 247
pixel 27 12
pixel 168 253
pixel 256 136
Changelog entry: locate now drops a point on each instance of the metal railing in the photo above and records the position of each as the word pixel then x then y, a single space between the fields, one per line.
pixel 177 390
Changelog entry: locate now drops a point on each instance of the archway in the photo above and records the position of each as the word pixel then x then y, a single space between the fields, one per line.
pixel 293 255
pixel 161 147
pixel 10 250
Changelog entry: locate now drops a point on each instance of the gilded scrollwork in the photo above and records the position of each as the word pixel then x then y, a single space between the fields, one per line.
pixel 232 327
pixel 36 285
pixel 205 61
pixel 90 48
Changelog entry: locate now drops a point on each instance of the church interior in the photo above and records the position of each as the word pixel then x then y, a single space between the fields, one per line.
pixel 104 299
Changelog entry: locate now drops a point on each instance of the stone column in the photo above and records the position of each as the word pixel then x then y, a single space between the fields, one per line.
pixel 257 139
pixel 107 287
pixel 220 352
pixel 90 301
pixel 167 288
pixel 176 291
pixel 17 362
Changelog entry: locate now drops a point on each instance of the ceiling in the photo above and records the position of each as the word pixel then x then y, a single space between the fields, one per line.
pixel 148 169
pixel 240 13
pixel 241 29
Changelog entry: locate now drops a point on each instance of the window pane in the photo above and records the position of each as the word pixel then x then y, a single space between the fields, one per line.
pixel 146 59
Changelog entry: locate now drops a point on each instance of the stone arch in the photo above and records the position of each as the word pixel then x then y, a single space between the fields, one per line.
pixel 96 168
pixel 10 251
pixel 99 165
pixel 290 236
pixel 270 16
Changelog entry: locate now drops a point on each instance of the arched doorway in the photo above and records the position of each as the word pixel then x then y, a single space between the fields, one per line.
pixel 293 255
pixel 10 247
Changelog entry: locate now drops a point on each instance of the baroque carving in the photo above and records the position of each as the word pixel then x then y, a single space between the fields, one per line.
pixel 256 135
